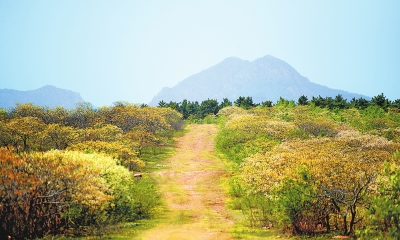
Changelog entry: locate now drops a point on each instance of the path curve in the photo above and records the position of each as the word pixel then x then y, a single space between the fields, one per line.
pixel 190 186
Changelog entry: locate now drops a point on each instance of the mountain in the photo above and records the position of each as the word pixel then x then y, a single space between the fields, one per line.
pixel 49 96
pixel 266 78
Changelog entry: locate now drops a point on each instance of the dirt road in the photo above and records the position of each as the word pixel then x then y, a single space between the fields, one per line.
pixel 190 186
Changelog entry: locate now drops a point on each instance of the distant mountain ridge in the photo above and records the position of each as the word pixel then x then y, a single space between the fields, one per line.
pixel 266 78
pixel 48 95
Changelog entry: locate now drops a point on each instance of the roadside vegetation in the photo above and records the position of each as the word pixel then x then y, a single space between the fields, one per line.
pixel 313 167
pixel 71 172
pixel 317 168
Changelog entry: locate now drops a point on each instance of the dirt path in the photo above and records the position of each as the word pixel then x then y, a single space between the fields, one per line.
pixel 191 188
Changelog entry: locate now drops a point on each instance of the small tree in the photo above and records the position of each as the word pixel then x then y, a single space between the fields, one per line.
pixel 162 104
pixel 384 213
pixel 381 101
pixel 225 103
pixel 266 103
pixel 340 102
pixel 303 100
pixel 244 102
pixel 209 106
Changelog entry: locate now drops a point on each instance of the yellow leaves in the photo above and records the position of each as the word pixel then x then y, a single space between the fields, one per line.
pixel 83 189
pixel 83 173
pixel 121 150
pixel 61 136
pixel 25 125
pixel 232 111
pixel 249 126
pixel 313 147
pixel 332 162
pixel 101 132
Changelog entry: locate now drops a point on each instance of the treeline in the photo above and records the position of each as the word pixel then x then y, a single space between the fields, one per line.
pixel 71 171
pixel 196 110
pixel 316 168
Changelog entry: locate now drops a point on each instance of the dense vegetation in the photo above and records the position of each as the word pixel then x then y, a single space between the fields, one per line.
pixel 71 171
pixel 316 166
pixel 195 110
pixel 307 167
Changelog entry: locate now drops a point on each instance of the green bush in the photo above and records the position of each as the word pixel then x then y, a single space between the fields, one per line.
pixel 384 212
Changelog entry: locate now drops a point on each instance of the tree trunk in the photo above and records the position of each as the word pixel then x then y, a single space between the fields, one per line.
pixel 353 217
pixel 328 226
pixel 345 231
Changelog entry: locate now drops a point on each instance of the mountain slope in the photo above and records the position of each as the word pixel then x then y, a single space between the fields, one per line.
pixel 266 78
pixel 49 96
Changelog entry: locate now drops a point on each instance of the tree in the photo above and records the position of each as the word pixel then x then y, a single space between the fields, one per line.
pixel 266 103
pixel 209 106
pixel 244 102
pixel 82 116
pixel 321 102
pixel 162 104
pixel 183 109
pixel 340 102
pixel 384 212
pixel 285 103
pixel 123 116
pixel 173 118
pixel 192 109
pixel 225 103
pixel 57 115
pixel 381 101
pixel 174 105
pixel 360 103
pixel 102 132
pixel 39 191
pixel 303 100
pixel 60 137
pixel 3 114
pixel 396 103
pixel 343 177
pixel 25 132
pixel 27 110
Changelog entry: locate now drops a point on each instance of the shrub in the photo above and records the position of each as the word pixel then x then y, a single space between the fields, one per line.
pixel 384 212
pixel 318 128
pixel 67 192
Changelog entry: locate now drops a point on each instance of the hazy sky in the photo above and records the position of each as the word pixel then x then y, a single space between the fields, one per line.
pixel 130 50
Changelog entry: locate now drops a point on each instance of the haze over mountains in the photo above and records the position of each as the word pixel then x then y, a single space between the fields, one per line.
pixel 49 96
pixel 266 78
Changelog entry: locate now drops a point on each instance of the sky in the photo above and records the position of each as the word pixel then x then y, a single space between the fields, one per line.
pixel 119 50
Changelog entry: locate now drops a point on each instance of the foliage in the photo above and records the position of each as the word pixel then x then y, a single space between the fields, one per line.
pixel 120 150
pixel 23 133
pixel 47 192
pixel 248 134
pixel 303 100
pixel 296 208
pixel 318 128
pixel 244 102
pixel 64 192
pixel 384 212
pixel 381 101
pixel 305 168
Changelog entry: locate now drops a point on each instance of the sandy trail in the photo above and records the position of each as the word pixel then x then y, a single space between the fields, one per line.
pixel 190 186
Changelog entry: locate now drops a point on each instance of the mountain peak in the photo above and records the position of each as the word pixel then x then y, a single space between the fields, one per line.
pixel 266 78
pixel 48 95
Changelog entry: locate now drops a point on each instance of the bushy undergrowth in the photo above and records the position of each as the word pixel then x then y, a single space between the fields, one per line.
pixel 71 172
pixel 308 170
pixel 68 192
